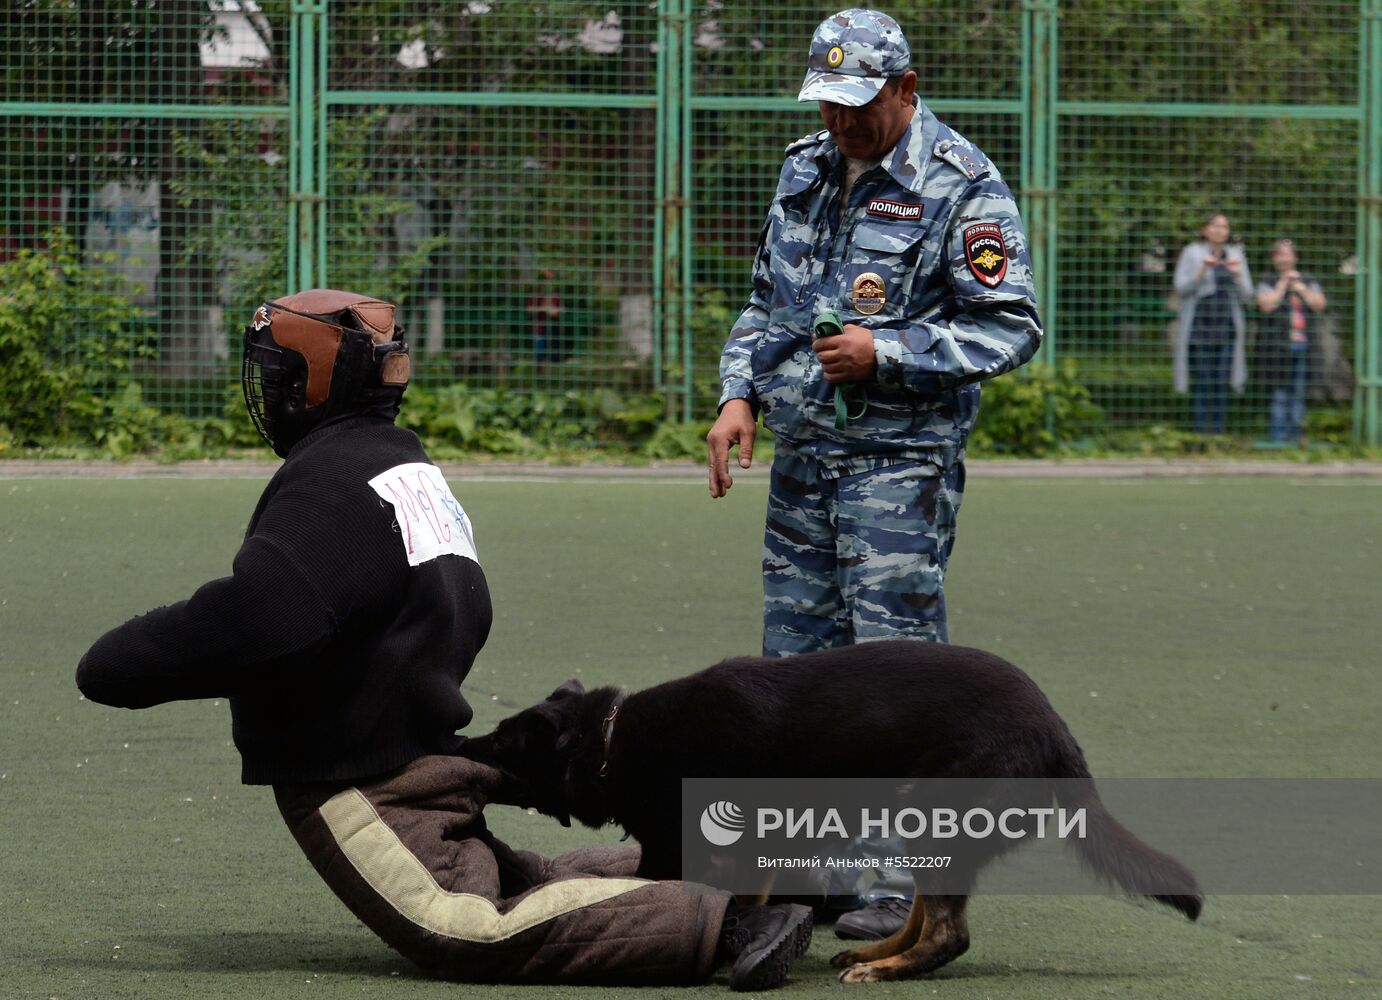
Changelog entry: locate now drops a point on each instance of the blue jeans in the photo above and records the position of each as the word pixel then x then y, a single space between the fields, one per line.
pixel 1209 374
pixel 1286 417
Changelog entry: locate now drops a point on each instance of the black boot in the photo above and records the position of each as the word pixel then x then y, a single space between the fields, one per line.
pixel 761 941
pixel 875 921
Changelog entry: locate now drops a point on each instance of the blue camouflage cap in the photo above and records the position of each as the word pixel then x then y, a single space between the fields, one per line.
pixel 853 53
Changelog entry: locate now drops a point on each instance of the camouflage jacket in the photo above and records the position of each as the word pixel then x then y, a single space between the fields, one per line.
pixel 934 232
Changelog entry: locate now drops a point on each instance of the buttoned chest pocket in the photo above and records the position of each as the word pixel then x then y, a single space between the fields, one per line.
pixel 884 261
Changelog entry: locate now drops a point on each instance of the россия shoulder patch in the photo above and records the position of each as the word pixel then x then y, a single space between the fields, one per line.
pixel 986 252
pixel 430 521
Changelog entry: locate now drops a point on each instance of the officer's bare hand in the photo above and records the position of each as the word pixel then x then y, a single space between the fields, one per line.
pixel 849 356
pixel 735 425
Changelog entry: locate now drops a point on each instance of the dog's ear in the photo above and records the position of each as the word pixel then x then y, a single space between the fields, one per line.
pixel 568 689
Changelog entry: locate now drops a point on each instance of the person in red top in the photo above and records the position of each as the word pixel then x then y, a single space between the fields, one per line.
pixel 1289 301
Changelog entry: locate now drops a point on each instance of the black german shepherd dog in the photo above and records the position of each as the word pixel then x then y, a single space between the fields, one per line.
pixel 880 709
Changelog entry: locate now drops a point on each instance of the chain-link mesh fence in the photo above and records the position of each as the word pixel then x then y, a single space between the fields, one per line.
pixel 1172 112
pixel 565 196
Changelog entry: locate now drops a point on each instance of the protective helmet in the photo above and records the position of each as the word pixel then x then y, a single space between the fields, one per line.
pixel 318 354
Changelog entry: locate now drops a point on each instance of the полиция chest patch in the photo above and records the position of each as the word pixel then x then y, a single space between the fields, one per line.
pixel 893 209
pixel 431 522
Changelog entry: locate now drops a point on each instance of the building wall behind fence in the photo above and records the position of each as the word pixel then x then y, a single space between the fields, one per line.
pixel 566 196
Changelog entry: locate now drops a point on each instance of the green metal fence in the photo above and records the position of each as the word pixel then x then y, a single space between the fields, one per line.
pixel 566 195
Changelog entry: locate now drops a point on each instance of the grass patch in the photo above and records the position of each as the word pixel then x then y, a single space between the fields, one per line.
pixel 1182 627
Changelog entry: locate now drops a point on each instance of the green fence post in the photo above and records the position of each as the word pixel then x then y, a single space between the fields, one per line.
pixel 1040 72
pixel 307 167
pixel 659 189
pixel 1038 168
pixel 687 260
pixel 670 251
pixel 323 160
pixel 290 277
pixel 1367 426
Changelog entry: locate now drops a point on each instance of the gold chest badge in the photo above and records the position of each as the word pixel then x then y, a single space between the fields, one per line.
pixel 868 295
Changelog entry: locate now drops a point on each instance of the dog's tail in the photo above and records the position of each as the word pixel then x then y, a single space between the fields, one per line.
pixel 1113 851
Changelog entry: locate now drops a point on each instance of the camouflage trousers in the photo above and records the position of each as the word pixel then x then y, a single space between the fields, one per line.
pixel 856 558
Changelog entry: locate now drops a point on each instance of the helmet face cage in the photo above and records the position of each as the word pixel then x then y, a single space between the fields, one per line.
pixel 258 358
pixel 274 382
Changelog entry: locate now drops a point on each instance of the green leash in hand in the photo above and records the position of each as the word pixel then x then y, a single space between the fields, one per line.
pixel 827 324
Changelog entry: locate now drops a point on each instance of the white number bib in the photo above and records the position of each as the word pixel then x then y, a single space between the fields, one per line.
pixel 430 521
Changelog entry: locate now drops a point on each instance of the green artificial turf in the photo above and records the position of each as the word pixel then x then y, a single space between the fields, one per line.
pixel 1224 627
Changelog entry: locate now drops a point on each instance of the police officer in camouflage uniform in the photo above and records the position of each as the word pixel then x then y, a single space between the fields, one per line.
pixel 905 230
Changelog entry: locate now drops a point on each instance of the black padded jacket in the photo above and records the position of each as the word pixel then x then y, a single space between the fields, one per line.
pixel 354 610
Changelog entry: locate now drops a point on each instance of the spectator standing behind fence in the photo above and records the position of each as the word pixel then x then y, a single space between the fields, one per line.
pixel 1212 283
pixel 544 308
pixel 1289 305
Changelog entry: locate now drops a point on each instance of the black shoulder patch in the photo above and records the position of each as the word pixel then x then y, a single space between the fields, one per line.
pixel 986 252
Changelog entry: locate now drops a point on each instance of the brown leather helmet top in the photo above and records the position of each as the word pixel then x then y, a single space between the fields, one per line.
pixel 375 316
pixel 305 323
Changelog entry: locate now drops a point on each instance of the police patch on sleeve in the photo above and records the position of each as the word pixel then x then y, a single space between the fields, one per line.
pixel 986 252
pixel 430 521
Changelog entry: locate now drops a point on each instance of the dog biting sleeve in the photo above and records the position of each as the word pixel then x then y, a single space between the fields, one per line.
pixel 411 857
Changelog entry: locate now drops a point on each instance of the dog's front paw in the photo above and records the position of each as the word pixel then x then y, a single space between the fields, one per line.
pixel 845 959
pixel 868 972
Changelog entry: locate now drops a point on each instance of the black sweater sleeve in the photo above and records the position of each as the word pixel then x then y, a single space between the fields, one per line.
pixel 215 643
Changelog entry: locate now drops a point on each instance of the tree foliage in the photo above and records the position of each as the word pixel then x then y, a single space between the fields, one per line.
pixel 67 333
pixel 484 204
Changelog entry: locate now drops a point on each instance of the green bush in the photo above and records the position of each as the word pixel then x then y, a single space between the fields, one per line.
pixel 672 441
pixel 499 421
pixel 69 333
pixel 711 320
pixel 1331 424
pixel 1163 441
pixel 1034 412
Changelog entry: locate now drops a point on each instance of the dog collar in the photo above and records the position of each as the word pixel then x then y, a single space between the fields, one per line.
pixel 607 733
